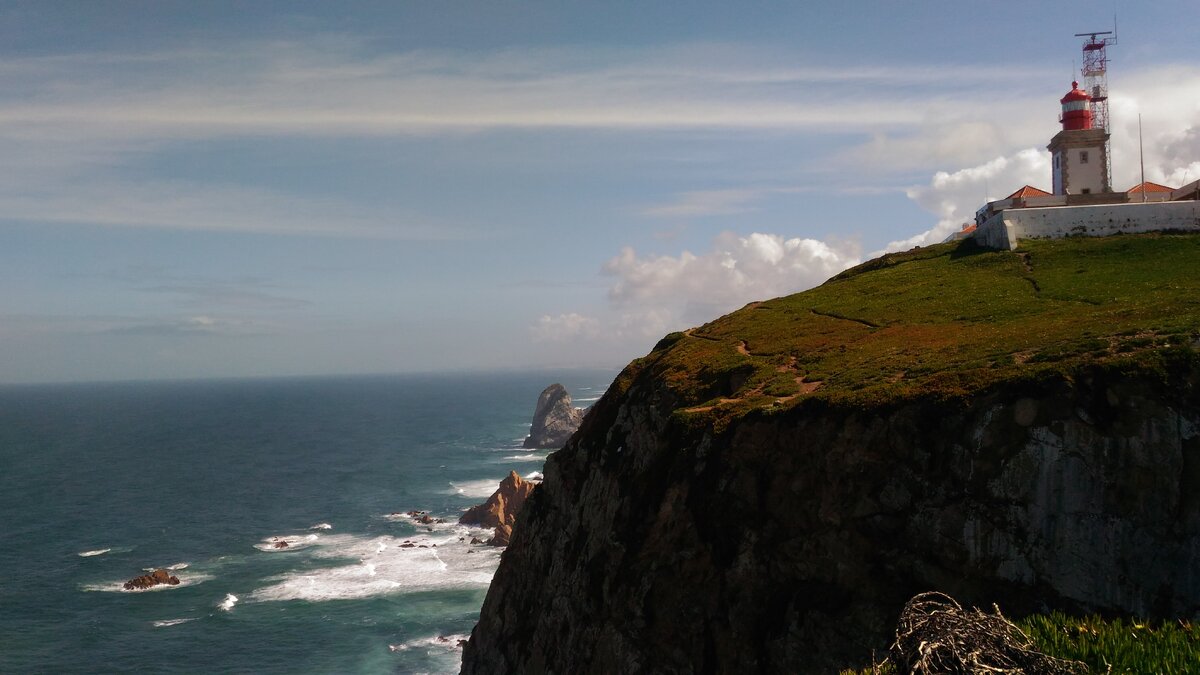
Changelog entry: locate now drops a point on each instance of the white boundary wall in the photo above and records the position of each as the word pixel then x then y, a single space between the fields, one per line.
pixel 1008 227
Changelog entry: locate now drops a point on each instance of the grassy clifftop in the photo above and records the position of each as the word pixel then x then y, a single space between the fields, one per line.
pixel 942 321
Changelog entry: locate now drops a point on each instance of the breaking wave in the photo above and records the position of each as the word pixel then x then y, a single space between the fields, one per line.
pixel 475 489
pixel 385 564
pixel 172 622
pixel 296 543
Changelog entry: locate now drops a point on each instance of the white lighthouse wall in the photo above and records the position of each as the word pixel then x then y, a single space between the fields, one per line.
pixel 1082 175
pixel 1005 229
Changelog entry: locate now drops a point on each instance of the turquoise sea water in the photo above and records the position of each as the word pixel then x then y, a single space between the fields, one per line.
pixel 99 481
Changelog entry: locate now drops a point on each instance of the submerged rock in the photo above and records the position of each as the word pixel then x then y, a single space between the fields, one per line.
pixel 554 419
pixel 156 578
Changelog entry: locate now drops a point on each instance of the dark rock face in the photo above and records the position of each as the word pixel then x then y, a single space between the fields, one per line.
pixel 501 509
pixel 155 578
pixel 554 419
pixel 789 542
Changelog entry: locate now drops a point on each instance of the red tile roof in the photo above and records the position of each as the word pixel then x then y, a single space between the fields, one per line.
pixel 1149 187
pixel 1028 191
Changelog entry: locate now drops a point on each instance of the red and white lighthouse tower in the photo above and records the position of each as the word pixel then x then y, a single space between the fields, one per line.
pixel 1079 153
pixel 1076 109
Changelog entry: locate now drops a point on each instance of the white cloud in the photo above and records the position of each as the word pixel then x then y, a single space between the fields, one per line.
pixel 955 196
pixel 654 295
pixel 570 326
pixel 691 288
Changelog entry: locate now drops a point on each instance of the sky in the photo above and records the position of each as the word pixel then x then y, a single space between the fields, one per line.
pixel 233 189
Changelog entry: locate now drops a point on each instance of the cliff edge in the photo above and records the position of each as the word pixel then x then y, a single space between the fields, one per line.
pixel 764 493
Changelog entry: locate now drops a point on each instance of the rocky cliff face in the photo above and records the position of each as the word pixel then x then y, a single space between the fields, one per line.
pixel 789 543
pixel 764 493
pixel 554 419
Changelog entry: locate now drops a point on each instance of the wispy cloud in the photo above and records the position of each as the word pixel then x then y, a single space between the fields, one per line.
pixel 198 325
pixel 205 293
pixel 200 206
pixel 335 88
pixel 712 202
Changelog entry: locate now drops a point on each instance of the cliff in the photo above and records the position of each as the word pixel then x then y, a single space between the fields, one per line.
pixel 764 493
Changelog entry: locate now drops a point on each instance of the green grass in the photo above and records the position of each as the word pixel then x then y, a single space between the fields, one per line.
pixel 943 321
pixel 1125 646
pixel 1168 648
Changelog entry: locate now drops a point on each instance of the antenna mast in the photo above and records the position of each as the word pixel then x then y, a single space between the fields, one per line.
pixel 1095 77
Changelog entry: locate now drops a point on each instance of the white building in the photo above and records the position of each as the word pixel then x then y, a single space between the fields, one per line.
pixel 1082 202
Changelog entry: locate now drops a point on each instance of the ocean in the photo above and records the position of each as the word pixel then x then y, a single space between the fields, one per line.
pixel 100 482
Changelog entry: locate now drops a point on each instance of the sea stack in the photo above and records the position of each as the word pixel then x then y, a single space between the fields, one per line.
pixel 501 509
pixel 554 419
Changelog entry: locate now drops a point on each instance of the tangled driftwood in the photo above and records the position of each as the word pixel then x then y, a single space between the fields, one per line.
pixel 936 635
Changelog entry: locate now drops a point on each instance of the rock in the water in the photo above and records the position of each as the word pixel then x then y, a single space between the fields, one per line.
pixel 155 578
pixel 501 537
pixel 281 544
pixel 504 504
pixel 554 419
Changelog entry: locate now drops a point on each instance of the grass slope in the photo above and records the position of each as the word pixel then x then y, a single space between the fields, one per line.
pixel 942 321
pixel 1115 646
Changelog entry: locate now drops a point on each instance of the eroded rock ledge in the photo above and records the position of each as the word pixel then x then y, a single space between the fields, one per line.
pixel 789 541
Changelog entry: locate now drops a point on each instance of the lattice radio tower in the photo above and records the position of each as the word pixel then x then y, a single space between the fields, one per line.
pixel 1095 78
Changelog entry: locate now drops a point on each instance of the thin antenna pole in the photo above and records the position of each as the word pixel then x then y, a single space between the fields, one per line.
pixel 1141 157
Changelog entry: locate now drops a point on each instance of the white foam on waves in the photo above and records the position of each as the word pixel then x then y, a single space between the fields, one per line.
pixel 530 457
pixel 321 526
pixel 431 642
pixel 475 489
pixel 172 622
pixel 383 565
pixel 228 603
pixel 534 475
pixel 295 543
pixel 174 568
pixel 89 554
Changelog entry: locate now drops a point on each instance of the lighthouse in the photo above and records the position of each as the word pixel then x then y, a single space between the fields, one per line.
pixel 1079 153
